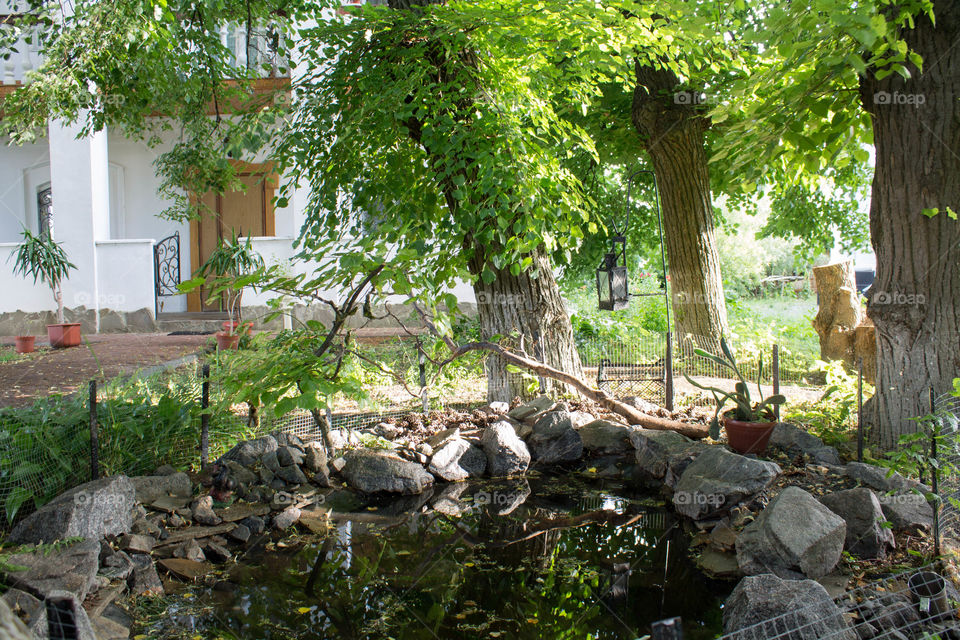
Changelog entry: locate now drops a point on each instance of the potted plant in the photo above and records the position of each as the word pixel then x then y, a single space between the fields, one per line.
pixel 23 343
pixel 748 424
pixel 43 259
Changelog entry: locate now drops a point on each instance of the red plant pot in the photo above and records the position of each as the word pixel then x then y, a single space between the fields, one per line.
pixel 227 340
pixel 64 335
pixel 24 344
pixel 231 326
pixel 748 437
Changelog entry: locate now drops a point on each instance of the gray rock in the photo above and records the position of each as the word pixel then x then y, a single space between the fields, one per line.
pixel 373 471
pixel 116 565
pixel 425 449
pixel 11 628
pixel 340 438
pixel 793 439
pixel 795 533
pixel 287 456
pixel 550 449
pixel 189 550
pixel 908 512
pixel 825 455
pixel 315 458
pixel 506 453
pixel 876 478
pixel 164 470
pixel 538 405
pixel 150 488
pixel 266 475
pixel 92 510
pixel 254 523
pixel 787 610
pixel 863 514
pixel 72 568
pixel 240 473
pixel 387 431
pixel 457 460
pixel 437 440
pixel 135 543
pixel 144 580
pixel 664 455
pixel 202 511
pixel 717 480
pixel 241 533
pixel 286 518
pixel 270 461
pixel 288 440
pixel 216 552
pixel 249 451
pixel 496 407
pixel 292 475
pixel 606 436
pixel 554 423
pixel 71 607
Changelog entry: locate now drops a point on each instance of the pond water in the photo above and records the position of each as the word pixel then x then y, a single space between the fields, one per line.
pixel 545 557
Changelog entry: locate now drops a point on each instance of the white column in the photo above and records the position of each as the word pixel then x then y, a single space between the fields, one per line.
pixel 79 176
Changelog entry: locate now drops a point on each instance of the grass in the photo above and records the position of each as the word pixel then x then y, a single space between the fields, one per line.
pixel 7 354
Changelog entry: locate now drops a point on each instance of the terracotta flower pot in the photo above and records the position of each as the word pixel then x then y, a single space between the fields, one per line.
pixel 64 335
pixel 227 340
pixel 748 437
pixel 230 326
pixel 24 344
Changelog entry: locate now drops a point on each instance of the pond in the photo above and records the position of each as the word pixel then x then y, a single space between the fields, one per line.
pixel 545 557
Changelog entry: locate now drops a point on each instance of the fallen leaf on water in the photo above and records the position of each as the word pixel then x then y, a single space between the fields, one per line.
pixel 302 610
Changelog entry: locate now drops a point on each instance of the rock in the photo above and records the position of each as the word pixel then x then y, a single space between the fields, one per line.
pixel 795 533
pixel 413 456
pixel 496 407
pixel 387 431
pixel 425 449
pixel 150 488
pixel 373 471
pixel 437 440
pixel 255 524
pixel 718 480
pixel 92 510
pixel 30 611
pixel 524 411
pixel 164 470
pixel 315 458
pixel 247 452
pixel 240 534
pixel 664 455
pixel 908 512
pixel 202 511
pixel 550 449
pixel 288 440
pixel 505 499
pixel 863 514
pixel 287 456
pixel 315 520
pixel 190 550
pixel 72 568
pixel 606 436
pixel 447 500
pixel 11 628
pixel 876 478
pixel 292 475
pixel 69 607
pixel 286 518
pixel 790 609
pixel 147 527
pixel 137 543
pixel 554 423
pixel 216 552
pixel 793 439
pixel 240 473
pixel 719 564
pixel 238 511
pixel 270 461
pixel 825 455
pixel 115 565
pixel 281 500
pixel 144 580
pixel 458 460
pixel 185 569
pixel 340 438
pixel 506 453
pixel 174 521
pixel 107 629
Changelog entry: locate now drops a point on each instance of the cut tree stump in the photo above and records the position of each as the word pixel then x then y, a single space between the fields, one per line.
pixel 839 311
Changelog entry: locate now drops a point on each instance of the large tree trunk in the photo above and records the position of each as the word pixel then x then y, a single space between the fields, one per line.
pixel 530 306
pixel 915 299
pixel 672 132
pixel 838 312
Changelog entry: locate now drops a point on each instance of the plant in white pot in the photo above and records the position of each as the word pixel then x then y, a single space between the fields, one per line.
pixel 45 260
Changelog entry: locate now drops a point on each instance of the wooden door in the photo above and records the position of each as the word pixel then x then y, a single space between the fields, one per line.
pixel 246 213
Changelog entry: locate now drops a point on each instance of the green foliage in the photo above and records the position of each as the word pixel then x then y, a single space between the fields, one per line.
pixel 933 448
pixel 744 410
pixel 43 259
pixel 833 416
pixel 230 267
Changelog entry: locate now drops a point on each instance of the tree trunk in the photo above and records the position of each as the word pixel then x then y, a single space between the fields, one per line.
pixel 838 312
pixel 672 132
pixel 530 306
pixel 915 299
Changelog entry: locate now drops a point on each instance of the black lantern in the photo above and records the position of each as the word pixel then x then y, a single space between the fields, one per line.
pixel 612 291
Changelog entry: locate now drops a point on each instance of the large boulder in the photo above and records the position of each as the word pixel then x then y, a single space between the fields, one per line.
pixel 555 423
pixel 766 606
pixel 44 571
pixel 664 455
pixel 861 510
pixel 908 512
pixel 10 626
pixel 606 436
pixel 150 488
pixel 538 405
pixel 551 449
pixel 507 454
pixel 718 480
pixel 795 536
pixel 795 440
pixel 92 510
pixel 457 460
pixel 374 471
pixel 249 451
pixel 879 478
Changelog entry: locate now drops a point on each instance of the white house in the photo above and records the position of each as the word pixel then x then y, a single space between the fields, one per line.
pixel 99 197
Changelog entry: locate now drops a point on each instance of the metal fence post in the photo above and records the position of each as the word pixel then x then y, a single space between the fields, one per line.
pixel 934 476
pixel 205 417
pixel 668 373
pixel 859 409
pixel 424 394
pixel 94 433
pixel 669 629
pixel 776 377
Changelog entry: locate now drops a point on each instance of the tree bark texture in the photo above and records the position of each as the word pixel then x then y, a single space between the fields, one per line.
pixel 838 312
pixel 672 133
pixel 915 300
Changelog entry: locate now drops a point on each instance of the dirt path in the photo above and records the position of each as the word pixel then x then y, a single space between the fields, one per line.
pixel 102 356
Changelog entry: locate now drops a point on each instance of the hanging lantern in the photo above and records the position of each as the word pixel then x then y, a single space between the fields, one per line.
pixel 612 290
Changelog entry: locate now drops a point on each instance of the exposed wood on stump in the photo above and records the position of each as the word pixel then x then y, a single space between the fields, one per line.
pixel 839 312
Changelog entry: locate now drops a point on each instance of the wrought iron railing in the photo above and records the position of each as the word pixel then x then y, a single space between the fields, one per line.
pixel 166 268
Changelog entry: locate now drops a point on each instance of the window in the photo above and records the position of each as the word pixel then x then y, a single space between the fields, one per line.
pixel 45 211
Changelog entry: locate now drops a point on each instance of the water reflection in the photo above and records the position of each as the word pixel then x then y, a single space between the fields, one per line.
pixel 539 559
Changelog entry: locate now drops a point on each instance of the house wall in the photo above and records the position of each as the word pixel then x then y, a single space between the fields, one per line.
pixel 22 171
